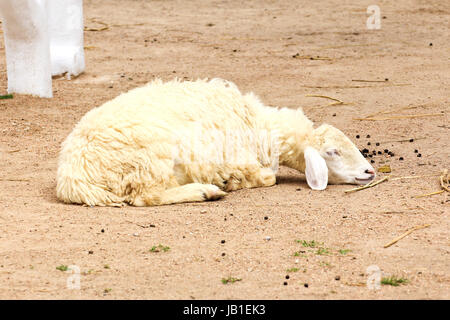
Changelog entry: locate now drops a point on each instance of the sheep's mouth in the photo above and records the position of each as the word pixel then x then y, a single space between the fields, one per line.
pixel 364 180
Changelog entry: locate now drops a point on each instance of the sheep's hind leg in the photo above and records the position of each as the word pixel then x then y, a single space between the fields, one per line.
pixel 192 192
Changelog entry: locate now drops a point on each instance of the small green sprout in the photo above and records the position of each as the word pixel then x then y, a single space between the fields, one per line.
pixel 393 281
pixel 159 248
pixel 62 268
pixel 230 280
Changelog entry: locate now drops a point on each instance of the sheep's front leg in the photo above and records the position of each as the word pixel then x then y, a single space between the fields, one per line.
pixel 192 192
pixel 250 177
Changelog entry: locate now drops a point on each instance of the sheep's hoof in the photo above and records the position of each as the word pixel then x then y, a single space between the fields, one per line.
pixel 212 192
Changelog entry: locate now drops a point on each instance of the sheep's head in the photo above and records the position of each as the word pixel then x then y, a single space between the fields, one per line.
pixel 334 159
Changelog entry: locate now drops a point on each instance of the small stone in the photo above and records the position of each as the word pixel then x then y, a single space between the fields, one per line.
pixel 267 238
pixel 203 211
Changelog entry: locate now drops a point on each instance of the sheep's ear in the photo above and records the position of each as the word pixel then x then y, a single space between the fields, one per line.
pixel 316 169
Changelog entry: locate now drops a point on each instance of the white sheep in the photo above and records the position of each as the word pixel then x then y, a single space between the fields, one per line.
pixel 190 141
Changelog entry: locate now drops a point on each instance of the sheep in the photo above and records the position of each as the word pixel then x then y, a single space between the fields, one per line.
pixel 43 38
pixel 187 141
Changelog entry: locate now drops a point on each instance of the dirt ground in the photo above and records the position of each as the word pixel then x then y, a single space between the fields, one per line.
pixel 283 51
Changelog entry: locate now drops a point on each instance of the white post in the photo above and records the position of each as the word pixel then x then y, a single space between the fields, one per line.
pixel 27 47
pixel 42 38
pixel 65 22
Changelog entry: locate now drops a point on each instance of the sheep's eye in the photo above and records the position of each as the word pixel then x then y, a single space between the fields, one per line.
pixel 333 153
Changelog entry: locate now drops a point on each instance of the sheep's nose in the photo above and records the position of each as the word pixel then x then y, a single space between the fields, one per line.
pixel 369 171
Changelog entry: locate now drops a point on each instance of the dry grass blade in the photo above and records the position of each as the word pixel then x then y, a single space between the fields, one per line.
pixel 408 116
pixel 405 234
pixel 338 102
pixel 357 80
pixel 397 110
pixel 403 140
pixel 369 185
pixel 414 177
pixel 430 194
pixel 105 26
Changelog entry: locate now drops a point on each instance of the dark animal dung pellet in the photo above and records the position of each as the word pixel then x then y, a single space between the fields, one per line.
pixel 365 155
pixel 91 252
pixel 411 140
pixel 266 218
pixel 287 276
pixel 374 152
pixel 334 114
pixel 416 151
pixel 223 254
pixel 419 155
pixel 372 161
pixel 401 158
pixel 223 241
pixel 103 230
pixel 370 155
pixel 357 136
pixel 368 136
pixel 365 150
pixel 431 44
pixel 386 150
pixel 285 283
pixel 379 152
pixel 337 278
pixel 377 144
pixel 368 143
pixel 306 285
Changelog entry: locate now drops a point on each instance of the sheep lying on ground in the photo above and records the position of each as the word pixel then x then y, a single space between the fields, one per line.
pixel 190 141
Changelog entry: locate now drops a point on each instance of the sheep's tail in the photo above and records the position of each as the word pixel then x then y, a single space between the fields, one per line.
pixel 74 181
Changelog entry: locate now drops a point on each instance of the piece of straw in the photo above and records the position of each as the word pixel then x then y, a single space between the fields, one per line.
pixel 405 234
pixel 369 185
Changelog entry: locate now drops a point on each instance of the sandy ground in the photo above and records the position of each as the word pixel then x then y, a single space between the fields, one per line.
pixel 253 44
